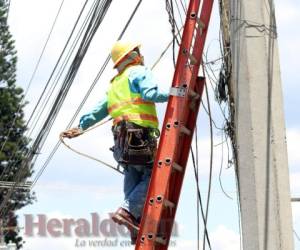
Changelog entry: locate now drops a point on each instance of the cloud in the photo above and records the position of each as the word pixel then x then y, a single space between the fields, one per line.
pixel 224 238
pixel 65 187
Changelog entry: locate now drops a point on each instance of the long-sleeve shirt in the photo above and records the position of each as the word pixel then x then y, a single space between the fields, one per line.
pixel 141 80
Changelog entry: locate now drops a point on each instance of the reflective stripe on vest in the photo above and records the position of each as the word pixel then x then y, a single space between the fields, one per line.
pixel 135 101
pixel 123 104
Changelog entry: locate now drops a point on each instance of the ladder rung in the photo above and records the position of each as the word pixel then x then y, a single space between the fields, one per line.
pixel 165 201
pixel 194 95
pixel 192 106
pixel 169 204
pixel 185 130
pixel 161 240
pixel 201 25
pixel 193 60
pixel 177 167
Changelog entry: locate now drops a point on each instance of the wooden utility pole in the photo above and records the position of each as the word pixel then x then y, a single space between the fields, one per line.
pixel 260 140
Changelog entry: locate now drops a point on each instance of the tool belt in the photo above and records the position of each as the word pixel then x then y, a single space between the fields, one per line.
pixel 134 144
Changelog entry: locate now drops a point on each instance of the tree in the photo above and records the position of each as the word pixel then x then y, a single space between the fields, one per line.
pixel 13 142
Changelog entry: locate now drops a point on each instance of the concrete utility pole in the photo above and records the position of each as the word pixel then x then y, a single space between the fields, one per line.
pixel 262 164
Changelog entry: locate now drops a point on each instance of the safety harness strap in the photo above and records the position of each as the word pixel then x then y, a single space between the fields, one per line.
pixel 132 117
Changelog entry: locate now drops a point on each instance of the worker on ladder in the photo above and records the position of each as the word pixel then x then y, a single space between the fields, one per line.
pixel 130 101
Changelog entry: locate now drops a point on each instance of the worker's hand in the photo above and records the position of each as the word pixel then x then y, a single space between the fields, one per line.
pixel 73 132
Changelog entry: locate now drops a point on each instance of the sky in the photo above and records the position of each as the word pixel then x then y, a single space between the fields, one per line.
pixel 75 187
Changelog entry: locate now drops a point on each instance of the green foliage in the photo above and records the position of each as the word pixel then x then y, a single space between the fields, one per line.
pixel 12 129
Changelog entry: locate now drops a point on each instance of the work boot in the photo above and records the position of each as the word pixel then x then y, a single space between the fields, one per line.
pixel 123 217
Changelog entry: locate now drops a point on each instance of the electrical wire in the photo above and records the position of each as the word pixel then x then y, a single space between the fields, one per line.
pixel 60 72
pixel 211 156
pixel 172 21
pixel 197 176
pixel 164 51
pixel 22 102
pixel 221 169
pixel 30 158
pixel 99 74
pixel 205 217
pixel 38 115
pixel 95 21
pixel 297 236
pixel 200 199
pixel 63 52
pixel 179 12
pixel 232 55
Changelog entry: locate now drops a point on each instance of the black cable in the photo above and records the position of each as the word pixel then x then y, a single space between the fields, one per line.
pixel 232 117
pixel 40 98
pixel 211 158
pixel 39 141
pixel 183 6
pixel 46 100
pixel 61 71
pixel 173 32
pixel 179 12
pixel 200 199
pixel 55 148
pixel 95 21
pixel 221 169
pixel 34 72
pixel 297 236
pixel 171 21
pixel 198 206
pixel 58 61
pixel 102 69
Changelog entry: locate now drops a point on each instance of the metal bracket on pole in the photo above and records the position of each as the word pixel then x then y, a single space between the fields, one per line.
pixel 177 91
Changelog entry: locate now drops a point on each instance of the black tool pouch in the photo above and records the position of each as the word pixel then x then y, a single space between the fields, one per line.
pixel 134 145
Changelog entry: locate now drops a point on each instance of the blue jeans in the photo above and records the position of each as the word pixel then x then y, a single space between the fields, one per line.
pixel 136 181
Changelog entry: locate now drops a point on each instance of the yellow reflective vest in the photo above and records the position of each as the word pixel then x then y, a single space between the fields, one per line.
pixel 123 104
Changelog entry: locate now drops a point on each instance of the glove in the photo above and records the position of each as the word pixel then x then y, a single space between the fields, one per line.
pixel 71 133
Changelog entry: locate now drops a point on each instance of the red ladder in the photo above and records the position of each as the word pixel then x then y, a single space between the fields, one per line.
pixel 177 132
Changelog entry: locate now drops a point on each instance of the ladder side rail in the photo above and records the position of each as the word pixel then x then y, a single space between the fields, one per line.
pixel 172 140
pixel 191 117
pixel 177 178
